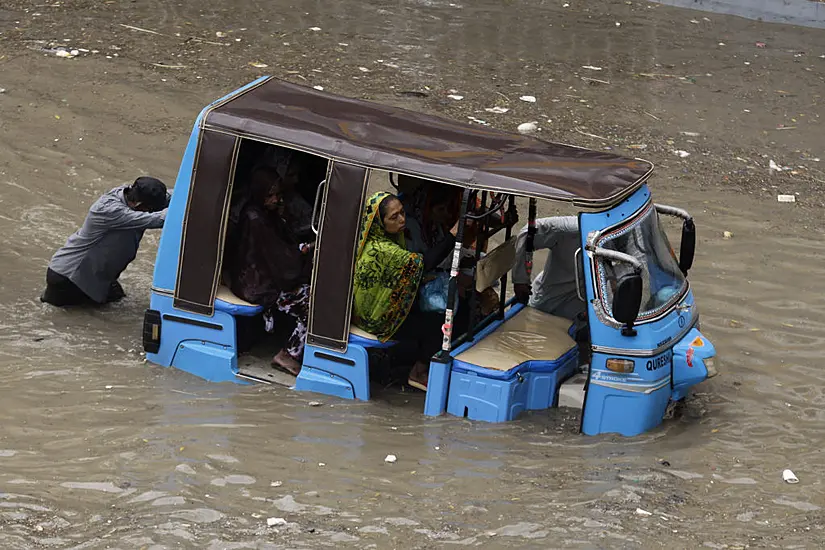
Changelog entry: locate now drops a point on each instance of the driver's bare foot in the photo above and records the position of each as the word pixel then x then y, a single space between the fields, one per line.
pixel 284 361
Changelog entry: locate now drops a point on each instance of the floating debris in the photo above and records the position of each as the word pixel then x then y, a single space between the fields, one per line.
pixel 789 477
pixel 315 29
pixel 497 110
pixel 640 512
pixel 315 403
pixel 528 98
pixel 456 97
pixel 258 65
pixel 363 69
pixel 276 483
pixel 273 522
pixel 786 198
pixel 690 134
pixel 727 235
pixel 220 34
pixel 591 68
pixel 320 89
pixel 638 146
pixel 391 459
pixel 167 66
pixel 477 121
pixel 681 154
pixel 528 127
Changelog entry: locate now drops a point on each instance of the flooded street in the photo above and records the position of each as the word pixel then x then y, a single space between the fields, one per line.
pixel 99 449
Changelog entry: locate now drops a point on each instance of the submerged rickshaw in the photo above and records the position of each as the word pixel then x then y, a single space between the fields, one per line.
pixel 645 349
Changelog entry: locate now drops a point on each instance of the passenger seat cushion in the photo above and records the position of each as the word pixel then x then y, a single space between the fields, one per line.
pixel 529 336
pixel 227 302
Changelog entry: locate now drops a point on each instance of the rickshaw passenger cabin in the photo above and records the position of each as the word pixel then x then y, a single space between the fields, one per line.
pixel 512 361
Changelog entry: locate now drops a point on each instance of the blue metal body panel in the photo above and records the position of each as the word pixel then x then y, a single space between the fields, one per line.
pixel 631 403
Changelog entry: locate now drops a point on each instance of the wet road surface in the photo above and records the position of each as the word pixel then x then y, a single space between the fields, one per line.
pixel 100 450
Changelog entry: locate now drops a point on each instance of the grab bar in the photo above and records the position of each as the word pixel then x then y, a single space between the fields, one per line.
pixel 314 223
pixel 576 257
pixel 673 211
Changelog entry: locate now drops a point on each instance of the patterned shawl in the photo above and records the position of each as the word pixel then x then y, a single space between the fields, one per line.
pixel 386 275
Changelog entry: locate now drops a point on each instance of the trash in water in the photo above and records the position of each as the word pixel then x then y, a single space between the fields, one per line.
pixel 321 464
pixel 315 403
pixel 363 69
pixel 109 387
pixel 640 512
pixel 456 97
pixel 497 110
pixel 391 459
pixel 320 89
pixel 528 98
pixel 272 522
pixel 618 24
pixel 64 53
pixel 776 167
pixel 2 90
pixel 528 127
pixel 681 154
pixel 760 45
pixel 786 198
pixel 690 134
pixel 276 483
pixel 591 67
pixel 315 29
pixel 639 146
pixel 258 65
pixel 220 34
pixel 727 235
pixel 478 121
pixel 789 477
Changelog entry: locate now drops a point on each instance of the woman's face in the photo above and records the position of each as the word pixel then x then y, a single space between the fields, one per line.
pixel 395 220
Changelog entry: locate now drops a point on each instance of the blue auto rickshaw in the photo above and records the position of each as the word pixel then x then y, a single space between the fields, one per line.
pixel 645 349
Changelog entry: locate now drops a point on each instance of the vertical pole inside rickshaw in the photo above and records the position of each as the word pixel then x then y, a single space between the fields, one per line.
pixel 508 233
pixel 438 384
pixel 481 225
pixel 529 245
pixel 452 293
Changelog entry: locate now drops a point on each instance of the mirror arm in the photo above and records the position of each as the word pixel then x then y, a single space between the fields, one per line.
pixel 616 256
pixel 673 211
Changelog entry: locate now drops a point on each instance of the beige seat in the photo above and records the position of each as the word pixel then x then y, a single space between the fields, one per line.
pixel 226 295
pixel 530 335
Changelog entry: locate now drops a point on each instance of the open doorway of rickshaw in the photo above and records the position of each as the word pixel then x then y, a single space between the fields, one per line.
pixel 258 341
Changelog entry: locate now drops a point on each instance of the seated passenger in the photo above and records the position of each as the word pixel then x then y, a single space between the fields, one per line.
pixel 386 282
pixel 289 167
pixel 269 266
pixel 554 289
pixel 86 269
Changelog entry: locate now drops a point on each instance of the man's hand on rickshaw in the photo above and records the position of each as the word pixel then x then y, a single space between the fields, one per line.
pixel 523 292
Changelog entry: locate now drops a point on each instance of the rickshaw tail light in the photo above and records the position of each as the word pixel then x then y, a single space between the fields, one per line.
pixel 698 343
pixel 621 365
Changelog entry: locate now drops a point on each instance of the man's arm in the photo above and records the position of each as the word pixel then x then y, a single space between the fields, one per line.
pixel 115 215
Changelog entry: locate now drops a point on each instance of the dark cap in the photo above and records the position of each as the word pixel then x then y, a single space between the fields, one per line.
pixel 149 192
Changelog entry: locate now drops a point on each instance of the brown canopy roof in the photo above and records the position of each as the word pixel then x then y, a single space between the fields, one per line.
pixel 408 142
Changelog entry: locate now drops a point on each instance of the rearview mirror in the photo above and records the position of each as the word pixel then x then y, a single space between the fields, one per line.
pixel 627 299
pixel 688 247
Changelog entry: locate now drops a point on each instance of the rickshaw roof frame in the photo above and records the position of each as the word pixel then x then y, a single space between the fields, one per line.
pixel 402 141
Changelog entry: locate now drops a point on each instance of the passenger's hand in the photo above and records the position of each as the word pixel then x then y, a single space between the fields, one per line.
pixel 454 230
pixel 523 292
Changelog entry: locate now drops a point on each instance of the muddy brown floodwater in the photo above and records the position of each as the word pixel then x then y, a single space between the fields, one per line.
pixel 100 450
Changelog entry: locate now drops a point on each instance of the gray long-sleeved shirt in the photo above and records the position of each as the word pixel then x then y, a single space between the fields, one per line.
pixel 554 289
pixel 95 256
